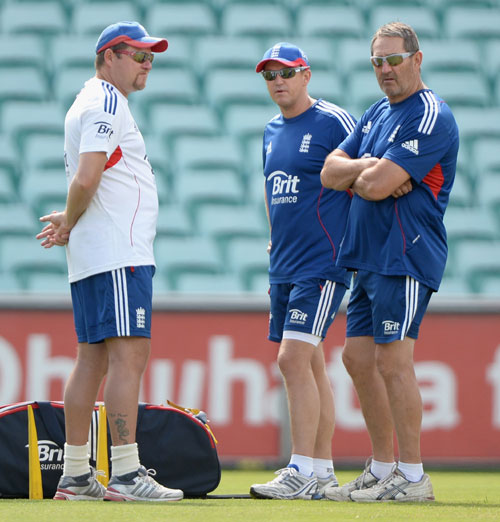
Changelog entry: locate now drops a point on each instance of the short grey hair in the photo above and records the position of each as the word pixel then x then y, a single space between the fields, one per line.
pixel 401 30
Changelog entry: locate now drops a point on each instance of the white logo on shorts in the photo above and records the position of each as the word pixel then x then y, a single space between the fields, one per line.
pixel 298 316
pixel 390 327
pixel 140 314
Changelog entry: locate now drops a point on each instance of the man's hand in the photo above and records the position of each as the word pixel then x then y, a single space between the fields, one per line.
pixel 403 189
pixel 56 232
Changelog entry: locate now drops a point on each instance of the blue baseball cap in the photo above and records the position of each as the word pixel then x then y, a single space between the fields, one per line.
pixel 285 53
pixel 132 33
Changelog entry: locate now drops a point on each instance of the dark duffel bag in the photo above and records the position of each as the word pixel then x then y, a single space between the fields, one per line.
pixel 174 441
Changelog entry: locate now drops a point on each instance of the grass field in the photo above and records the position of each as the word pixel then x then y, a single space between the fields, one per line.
pixel 460 496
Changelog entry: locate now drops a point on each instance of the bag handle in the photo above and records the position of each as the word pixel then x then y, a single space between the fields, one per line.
pixel 52 425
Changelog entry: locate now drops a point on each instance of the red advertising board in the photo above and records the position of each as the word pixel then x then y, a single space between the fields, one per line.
pixel 221 362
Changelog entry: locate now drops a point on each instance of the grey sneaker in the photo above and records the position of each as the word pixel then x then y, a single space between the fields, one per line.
pixel 288 485
pixel 396 487
pixel 343 493
pixel 83 487
pixel 328 482
pixel 139 485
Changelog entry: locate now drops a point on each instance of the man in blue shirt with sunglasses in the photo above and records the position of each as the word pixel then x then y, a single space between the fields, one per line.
pixel 307 224
pixel 400 163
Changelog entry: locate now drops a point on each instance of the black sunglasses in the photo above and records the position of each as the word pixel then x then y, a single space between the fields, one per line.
pixel 287 72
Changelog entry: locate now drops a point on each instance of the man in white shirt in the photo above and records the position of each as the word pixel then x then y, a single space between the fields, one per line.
pixel 108 227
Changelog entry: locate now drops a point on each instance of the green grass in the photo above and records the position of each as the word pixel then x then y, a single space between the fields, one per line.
pixel 468 495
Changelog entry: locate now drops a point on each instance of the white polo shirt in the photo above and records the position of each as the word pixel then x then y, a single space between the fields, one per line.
pixel 119 226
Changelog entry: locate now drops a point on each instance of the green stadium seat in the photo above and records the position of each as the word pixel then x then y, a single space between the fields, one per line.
pixel 69 81
pixel 22 119
pixel 260 20
pixel 320 51
pixel 157 152
pixel 42 18
pixel 225 86
pixel 92 20
pixel 21 255
pixel 44 190
pixel 363 91
pixel 420 18
pixel 18 219
pixel 327 85
pixel 41 282
pixel 491 64
pixel 8 193
pixel 248 257
pixel 471 22
pixel 487 284
pixel 459 89
pixel 488 195
pixel 73 51
pixel 450 55
pixel 169 85
pixel 477 123
pixel 173 221
pixel 485 155
pixel 454 287
pixel 332 21
pixel 44 152
pixel 461 194
pixel 246 121
pixel 22 84
pixel 28 51
pixel 258 282
pixel 9 283
pixel 173 120
pixel 9 157
pixel 186 255
pixel 353 54
pixel 194 283
pixel 228 52
pixel 478 259
pixel 195 188
pixel 220 152
pixel 180 18
pixel 223 222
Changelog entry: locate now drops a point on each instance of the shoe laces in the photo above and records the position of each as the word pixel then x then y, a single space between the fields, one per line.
pixel 148 477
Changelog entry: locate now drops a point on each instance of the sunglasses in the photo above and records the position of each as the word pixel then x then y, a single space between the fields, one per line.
pixel 392 59
pixel 138 56
pixel 287 72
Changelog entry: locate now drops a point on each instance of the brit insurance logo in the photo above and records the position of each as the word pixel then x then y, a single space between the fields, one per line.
pixel 390 327
pixel 284 187
pixel 298 316
pixel 104 129
pixel 50 455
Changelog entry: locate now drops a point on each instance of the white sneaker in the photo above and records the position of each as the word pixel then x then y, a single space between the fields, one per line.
pixel 288 485
pixel 139 485
pixel 328 482
pixel 396 487
pixel 83 487
pixel 343 493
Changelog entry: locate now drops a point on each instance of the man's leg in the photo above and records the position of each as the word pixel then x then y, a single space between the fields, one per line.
pixel 294 361
pixel 395 364
pixel 81 391
pixel 128 357
pixel 359 358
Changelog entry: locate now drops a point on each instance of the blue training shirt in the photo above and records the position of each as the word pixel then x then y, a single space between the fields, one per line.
pixel 406 235
pixel 307 220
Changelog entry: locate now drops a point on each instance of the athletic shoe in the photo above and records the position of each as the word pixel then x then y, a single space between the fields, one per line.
pixel 396 487
pixel 83 487
pixel 328 482
pixel 288 485
pixel 139 485
pixel 343 493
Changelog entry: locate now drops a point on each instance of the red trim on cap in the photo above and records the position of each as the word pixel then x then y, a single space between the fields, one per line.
pixel 295 63
pixel 157 47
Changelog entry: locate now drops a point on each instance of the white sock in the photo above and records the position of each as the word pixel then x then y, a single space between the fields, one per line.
pixel 303 464
pixel 413 472
pixel 323 468
pixel 124 459
pixel 381 469
pixel 76 460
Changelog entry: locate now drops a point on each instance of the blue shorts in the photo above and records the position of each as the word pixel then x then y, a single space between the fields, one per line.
pixel 113 304
pixel 307 306
pixel 387 308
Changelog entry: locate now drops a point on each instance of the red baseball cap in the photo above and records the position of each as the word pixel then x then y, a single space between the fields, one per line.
pixel 132 33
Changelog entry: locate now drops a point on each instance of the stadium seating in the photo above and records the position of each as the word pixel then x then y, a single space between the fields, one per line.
pixel 203 114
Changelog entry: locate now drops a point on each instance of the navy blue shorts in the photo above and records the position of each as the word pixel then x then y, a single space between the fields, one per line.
pixel 113 304
pixel 387 308
pixel 307 306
